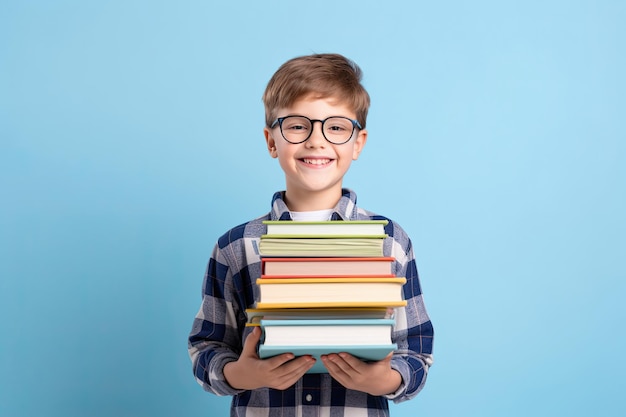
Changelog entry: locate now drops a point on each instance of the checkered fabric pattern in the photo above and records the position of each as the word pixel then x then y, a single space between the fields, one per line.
pixel 229 288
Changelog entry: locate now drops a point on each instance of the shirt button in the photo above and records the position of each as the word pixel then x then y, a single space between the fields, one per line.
pixel 308 398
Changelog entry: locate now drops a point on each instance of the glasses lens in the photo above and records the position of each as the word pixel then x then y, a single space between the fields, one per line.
pixel 296 129
pixel 338 129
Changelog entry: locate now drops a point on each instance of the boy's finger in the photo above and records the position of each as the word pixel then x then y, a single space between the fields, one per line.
pixel 249 345
pixel 279 360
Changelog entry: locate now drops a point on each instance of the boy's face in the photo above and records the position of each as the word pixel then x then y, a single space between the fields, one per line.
pixel 314 169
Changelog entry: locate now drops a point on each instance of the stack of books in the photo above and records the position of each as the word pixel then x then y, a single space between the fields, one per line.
pixel 326 287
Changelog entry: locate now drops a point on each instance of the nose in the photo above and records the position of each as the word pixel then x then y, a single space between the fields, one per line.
pixel 317 137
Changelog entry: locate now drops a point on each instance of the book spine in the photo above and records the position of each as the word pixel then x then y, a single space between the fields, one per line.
pixel 324 280
pixel 331 304
pixel 328 322
pixel 326 277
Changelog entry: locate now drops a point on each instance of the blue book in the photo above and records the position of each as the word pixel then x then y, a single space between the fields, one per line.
pixel 367 339
pixel 364 352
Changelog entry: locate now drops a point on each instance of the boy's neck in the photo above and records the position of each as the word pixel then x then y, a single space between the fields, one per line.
pixel 311 201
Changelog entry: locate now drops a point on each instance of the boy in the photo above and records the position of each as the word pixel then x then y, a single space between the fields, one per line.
pixel 315 109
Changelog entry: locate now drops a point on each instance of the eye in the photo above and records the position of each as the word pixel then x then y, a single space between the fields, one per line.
pixel 296 124
pixel 338 125
pixel 336 128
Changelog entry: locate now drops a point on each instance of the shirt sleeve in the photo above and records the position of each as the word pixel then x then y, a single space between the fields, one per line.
pixel 413 332
pixel 215 339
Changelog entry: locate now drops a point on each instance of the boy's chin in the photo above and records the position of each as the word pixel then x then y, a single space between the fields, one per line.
pixel 318 188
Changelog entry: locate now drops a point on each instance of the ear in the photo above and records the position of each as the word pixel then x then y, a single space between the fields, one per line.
pixel 271 143
pixel 359 143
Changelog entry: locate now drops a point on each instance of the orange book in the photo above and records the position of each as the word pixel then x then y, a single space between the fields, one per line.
pixel 331 292
pixel 331 267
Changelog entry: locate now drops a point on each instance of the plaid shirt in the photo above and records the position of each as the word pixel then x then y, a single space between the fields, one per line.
pixel 230 287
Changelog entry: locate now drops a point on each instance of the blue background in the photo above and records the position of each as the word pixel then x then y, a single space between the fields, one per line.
pixel 131 138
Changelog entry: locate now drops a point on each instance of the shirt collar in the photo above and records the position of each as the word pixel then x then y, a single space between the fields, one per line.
pixel 344 210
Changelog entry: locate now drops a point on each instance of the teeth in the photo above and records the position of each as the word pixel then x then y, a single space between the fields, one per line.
pixel 316 161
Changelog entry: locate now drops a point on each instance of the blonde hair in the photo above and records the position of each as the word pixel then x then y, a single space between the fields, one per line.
pixel 320 75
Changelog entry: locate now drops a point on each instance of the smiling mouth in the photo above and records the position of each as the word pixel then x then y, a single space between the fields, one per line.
pixel 316 161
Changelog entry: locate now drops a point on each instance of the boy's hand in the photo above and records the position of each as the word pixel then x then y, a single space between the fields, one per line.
pixel 374 378
pixel 279 372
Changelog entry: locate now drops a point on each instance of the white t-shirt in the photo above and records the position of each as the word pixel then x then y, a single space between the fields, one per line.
pixel 311 216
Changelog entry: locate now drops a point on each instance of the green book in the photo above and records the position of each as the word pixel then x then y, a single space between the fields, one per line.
pixel 360 228
pixel 303 247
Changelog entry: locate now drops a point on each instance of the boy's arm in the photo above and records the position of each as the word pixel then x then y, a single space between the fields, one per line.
pixel 215 338
pixel 413 334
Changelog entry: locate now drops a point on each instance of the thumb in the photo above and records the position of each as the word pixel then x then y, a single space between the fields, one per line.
pixel 249 345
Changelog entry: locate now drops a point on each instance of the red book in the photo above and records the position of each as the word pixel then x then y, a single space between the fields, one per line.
pixel 331 267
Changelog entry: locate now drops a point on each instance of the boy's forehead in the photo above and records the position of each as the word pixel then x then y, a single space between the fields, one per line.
pixel 329 101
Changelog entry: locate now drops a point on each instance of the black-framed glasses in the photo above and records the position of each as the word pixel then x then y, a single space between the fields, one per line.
pixel 297 129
